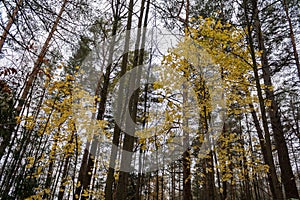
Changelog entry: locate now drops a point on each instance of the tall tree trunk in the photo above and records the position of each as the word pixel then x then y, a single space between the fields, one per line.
pixel 173 175
pixel 38 63
pixel 117 130
pixel 273 180
pixel 292 35
pixel 138 192
pixel 186 163
pixel 287 175
pixel 87 164
pixel 134 80
pixel 64 177
pixel 264 148
pixel 255 185
pixel 9 24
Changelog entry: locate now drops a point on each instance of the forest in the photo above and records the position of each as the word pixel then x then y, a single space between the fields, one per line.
pixel 149 99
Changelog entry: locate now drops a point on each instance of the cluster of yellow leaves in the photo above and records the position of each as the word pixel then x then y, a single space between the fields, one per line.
pixel 222 48
pixel 227 48
pixel 67 119
pixel 236 161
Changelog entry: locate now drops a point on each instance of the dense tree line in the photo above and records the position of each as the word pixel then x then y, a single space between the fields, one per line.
pixel 93 105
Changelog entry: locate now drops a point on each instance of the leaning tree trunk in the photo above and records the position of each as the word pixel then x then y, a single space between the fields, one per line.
pixel 10 23
pixel 38 63
pixel 36 67
pixel 292 35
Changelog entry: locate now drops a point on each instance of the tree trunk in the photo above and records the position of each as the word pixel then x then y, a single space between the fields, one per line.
pixel 64 178
pixel 38 63
pixel 87 164
pixel 138 192
pixel 186 163
pixel 292 35
pixel 264 148
pixel 287 175
pixel 273 180
pixel 134 80
pixel 122 184
pixel 9 24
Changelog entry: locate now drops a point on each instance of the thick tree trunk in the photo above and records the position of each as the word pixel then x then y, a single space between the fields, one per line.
pixel 87 164
pixel 122 184
pixel 272 176
pixel 186 163
pixel 134 80
pixel 287 175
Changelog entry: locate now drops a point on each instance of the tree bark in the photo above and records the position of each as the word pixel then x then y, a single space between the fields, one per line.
pixel 121 187
pixel 292 35
pixel 134 80
pixel 38 63
pixel 273 180
pixel 287 175
pixel 186 163
pixel 9 24
pixel 88 160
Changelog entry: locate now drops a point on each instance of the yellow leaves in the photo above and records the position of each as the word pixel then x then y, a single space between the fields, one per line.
pixel 266 168
pixel 85 194
pixel 38 172
pixel 35 197
pixel 98 99
pixel 188 178
pixel 221 190
pixel 30 162
pixel 28 166
pixel 19 119
pixel 47 191
pixel 170 140
pixel 47 110
pixel 259 53
pixel 78 184
pixel 157 85
pixel 221 41
pixel 142 141
pixel 143 147
pixel 29 121
pixel 70 78
pixel 102 124
pixel 208 169
pixel 116 176
pixel 268 103
pixel 227 177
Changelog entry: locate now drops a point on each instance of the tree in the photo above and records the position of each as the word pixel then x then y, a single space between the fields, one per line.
pixel 9 23
pixel 287 176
